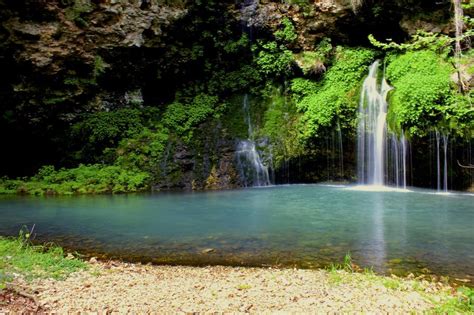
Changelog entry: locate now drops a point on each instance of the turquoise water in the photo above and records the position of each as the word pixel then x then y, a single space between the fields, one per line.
pixel 302 225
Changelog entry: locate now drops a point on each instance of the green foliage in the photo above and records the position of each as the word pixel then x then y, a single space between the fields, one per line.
pixel 107 127
pixel 422 90
pixel 143 151
pixel 301 87
pixel 181 118
pixel 85 179
pixel 273 59
pixel 233 118
pixel 436 42
pixel 99 67
pixel 347 264
pixel 233 47
pixel 298 2
pixel 313 62
pixel 286 33
pixel 76 10
pixel 223 82
pixel 19 256
pixel 279 125
pixel 335 97
pixel 462 302
pixel 424 62
pixel 310 62
pixel 102 130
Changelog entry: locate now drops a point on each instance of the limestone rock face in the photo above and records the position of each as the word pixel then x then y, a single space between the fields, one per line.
pixel 76 33
pixel 63 58
pixel 316 20
pixel 48 34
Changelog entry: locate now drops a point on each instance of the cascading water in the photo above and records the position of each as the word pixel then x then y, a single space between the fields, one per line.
pixel 249 163
pixel 444 138
pixel 445 149
pixel 341 151
pixel 378 163
pixel 251 169
pixel 335 155
pixel 397 158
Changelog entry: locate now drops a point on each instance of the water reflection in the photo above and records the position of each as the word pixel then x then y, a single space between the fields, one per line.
pixel 378 226
pixel 306 225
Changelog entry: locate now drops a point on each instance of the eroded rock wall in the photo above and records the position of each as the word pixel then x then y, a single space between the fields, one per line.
pixel 63 58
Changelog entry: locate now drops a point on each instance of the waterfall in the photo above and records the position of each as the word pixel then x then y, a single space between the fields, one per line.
pixel 251 169
pixel 381 153
pixel 247 115
pixel 444 138
pixel 445 173
pixel 397 159
pixel 404 143
pixel 341 152
pixel 438 164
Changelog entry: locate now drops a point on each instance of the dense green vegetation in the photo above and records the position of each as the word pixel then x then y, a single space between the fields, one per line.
pixel 123 148
pixel 84 179
pixel 19 256
pixel 334 99
pixel 300 94
pixel 425 95
pixel 422 90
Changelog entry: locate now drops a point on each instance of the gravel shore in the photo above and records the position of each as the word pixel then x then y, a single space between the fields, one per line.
pixel 120 288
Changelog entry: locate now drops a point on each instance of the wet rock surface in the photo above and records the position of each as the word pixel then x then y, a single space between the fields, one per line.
pixel 64 59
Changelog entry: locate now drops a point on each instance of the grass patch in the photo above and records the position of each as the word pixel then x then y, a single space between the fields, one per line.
pixel 347 264
pixel 243 287
pixel 445 299
pixel 460 302
pixel 391 284
pixel 19 257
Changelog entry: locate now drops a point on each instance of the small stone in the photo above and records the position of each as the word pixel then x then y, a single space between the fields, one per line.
pixel 208 250
pixel 93 260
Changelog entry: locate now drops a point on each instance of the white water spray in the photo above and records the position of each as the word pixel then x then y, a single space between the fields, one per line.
pixel 378 164
pixel 444 139
pixel 249 163
pixel 445 149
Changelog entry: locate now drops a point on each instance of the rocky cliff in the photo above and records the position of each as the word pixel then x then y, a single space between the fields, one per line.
pixel 64 58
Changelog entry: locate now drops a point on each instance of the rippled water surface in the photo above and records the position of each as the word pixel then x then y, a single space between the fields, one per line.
pixel 304 225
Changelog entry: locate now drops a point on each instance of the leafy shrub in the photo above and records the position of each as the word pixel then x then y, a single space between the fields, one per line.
pixel 335 97
pixel 273 59
pixel 301 87
pixel 422 88
pixel 77 9
pixel 223 82
pixel 81 180
pixel 315 61
pixel 102 130
pixel 287 32
pixel 181 118
pixel 103 127
pixel 232 47
pixel 436 42
pixel 279 125
pixel 142 152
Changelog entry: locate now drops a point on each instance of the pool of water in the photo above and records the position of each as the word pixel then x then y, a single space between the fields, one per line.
pixel 296 225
